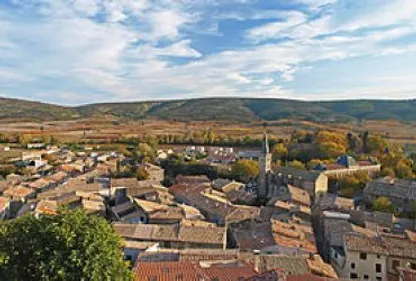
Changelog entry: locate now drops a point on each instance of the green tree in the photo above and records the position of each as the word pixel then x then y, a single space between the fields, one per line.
pixel 144 152
pixel 245 170
pixel 383 204
pixel 67 246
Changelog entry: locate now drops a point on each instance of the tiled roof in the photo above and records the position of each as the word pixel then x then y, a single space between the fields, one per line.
pixel 186 270
pixel 47 207
pixel 4 201
pixel 399 188
pixel 381 245
pixel 299 195
pixel 308 277
pixel 294 172
pixel 253 236
pixel 288 265
pixel 125 182
pixel 165 232
pixel 182 233
pixel 166 271
pixel 206 235
pixel 319 267
pixel 243 213
pixel 17 191
pixel 192 180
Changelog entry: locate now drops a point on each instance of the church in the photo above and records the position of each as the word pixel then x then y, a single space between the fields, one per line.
pixel 270 183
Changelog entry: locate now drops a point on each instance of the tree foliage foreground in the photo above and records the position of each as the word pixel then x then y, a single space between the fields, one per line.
pixel 67 246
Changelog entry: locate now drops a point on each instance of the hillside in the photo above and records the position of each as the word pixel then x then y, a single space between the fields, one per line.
pixel 218 109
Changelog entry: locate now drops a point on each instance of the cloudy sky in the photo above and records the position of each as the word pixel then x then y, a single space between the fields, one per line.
pixel 82 51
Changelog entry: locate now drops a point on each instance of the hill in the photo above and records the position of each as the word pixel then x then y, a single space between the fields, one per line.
pixel 218 109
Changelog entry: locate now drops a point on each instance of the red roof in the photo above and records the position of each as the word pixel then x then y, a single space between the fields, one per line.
pixel 307 277
pixel 187 270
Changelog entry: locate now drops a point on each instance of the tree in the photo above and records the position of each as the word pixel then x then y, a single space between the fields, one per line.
pixel 403 169
pixel 387 172
pixel 67 246
pixel 313 163
pixel 383 204
pixel 279 152
pixel 331 144
pixel 296 164
pixel 142 173
pixel 245 170
pixel 144 152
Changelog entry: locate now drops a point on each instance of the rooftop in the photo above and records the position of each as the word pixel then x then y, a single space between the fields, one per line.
pixel 399 188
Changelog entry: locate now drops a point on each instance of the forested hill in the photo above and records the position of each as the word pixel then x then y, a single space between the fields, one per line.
pixel 219 109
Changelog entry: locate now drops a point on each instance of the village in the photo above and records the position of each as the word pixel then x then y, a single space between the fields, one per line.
pixel 284 224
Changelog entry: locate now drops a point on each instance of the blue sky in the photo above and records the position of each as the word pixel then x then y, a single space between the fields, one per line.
pixel 82 51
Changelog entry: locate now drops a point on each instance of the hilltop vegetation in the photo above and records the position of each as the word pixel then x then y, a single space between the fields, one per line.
pixel 219 109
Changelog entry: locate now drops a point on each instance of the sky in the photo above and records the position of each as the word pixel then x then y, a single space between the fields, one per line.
pixel 83 51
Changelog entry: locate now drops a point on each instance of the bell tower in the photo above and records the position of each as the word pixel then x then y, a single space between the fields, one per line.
pixel 265 160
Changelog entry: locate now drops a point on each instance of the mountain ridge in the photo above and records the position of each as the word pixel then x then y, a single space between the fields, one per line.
pixel 217 109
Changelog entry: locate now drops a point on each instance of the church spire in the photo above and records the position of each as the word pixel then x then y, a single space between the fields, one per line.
pixel 265 146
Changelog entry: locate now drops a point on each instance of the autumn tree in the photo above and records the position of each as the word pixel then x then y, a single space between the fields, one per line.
pixel 245 170
pixel 142 173
pixel 296 164
pixel 331 144
pixel 279 152
pixel 67 246
pixel 387 172
pixel 403 169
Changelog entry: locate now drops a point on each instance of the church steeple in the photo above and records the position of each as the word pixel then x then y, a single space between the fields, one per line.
pixel 265 160
pixel 265 146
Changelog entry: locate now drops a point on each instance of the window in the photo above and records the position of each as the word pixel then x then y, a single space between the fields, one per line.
pixel 353 276
pixel 365 277
pixel 379 278
pixel 396 264
pixel 378 256
pixel 363 256
pixel 413 265
pixel 378 267
pixel 353 265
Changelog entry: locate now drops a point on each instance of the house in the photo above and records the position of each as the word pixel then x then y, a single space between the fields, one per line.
pixel 292 235
pixel 132 249
pixel 175 236
pixel 154 213
pixel 289 265
pixel 346 165
pixel 401 192
pixel 214 210
pixel 155 173
pixel 251 236
pixel 19 193
pixel 312 181
pixel 333 202
pixel 373 257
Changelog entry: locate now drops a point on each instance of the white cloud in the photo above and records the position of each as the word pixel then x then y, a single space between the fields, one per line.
pixel 129 53
pixel 276 29
pixel 166 24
